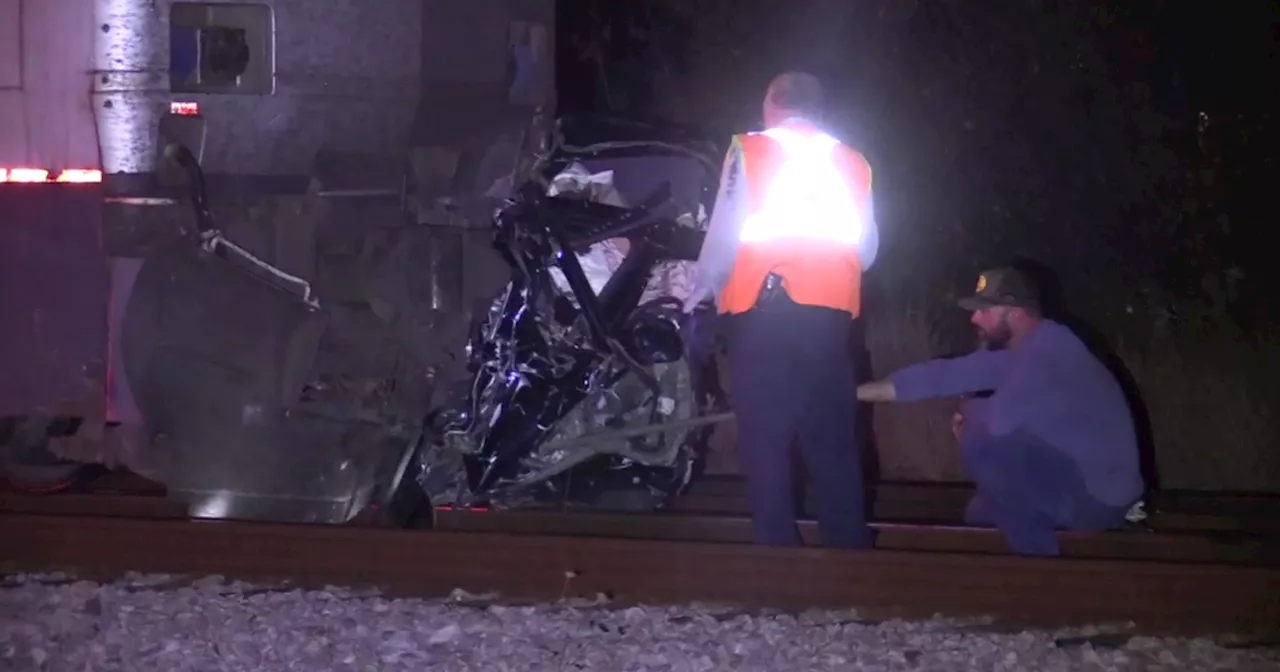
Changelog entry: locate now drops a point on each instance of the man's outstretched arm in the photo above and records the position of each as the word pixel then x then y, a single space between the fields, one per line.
pixel 976 372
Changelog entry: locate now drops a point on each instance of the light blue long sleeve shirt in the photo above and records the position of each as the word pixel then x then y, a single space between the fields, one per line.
pixel 1051 387
pixel 720 248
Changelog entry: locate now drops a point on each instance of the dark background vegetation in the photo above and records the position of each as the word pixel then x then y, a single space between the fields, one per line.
pixel 1130 147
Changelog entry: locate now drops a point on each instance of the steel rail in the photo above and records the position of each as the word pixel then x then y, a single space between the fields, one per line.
pixel 83 504
pixel 679 525
pixel 1120 545
pixel 1201 598
pixel 899 501
pixel 1167 510
pixel 1233 548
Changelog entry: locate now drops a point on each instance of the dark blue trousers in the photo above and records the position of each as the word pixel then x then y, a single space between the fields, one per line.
pixel 1028 489
pixel 792 377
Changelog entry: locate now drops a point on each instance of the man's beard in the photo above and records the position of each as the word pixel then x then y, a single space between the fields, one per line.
pixel 997 338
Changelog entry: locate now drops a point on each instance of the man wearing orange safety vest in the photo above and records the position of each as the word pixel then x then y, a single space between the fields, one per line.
pixel 791 233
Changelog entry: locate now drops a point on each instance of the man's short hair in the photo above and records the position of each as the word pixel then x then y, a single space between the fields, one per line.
pixel 797 91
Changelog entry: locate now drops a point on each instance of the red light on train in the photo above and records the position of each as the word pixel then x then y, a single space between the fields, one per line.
pixel 25 175
pixel 185 109
pixel 80 176
pixel 40 175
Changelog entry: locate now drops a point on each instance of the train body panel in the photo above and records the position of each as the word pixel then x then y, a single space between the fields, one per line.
pixel 344 142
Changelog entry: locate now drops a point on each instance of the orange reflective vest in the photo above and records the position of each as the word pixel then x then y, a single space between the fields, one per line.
pixel 806 196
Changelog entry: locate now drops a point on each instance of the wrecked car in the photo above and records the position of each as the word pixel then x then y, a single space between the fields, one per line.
pixel 585 380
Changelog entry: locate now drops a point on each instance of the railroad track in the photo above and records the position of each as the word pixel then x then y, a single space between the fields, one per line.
pixel 907 502
pixel 1193 580
pixel 1207 539
pixel 1136 544
pixel 1169 510
pixel 1157 596
pixel 1209 547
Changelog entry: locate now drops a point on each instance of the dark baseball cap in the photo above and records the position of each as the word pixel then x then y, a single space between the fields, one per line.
pixel 1005 286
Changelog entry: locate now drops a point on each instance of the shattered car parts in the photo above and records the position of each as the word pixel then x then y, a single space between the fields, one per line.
pixel 587 336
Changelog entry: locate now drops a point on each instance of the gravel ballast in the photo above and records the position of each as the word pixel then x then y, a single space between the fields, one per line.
pixel 52 622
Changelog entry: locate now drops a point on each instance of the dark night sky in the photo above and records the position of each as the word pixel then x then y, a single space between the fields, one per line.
pixel 1228 54
pixel 1218 63
pixel 1197 57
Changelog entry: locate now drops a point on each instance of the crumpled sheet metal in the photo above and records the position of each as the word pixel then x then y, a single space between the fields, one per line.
pixel 671 278
pixel 626 400
pixel 620 402
pixel 155 622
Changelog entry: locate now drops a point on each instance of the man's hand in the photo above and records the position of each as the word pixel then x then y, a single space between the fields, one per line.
pixel 968 411
pixel 880 390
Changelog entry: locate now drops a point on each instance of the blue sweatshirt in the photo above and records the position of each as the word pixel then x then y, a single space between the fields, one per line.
pixel 1052 387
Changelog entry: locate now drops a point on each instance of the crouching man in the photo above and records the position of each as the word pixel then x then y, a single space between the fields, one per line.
pixel 1054 445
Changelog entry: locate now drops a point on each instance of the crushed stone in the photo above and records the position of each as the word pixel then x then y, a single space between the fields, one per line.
pixel 55 622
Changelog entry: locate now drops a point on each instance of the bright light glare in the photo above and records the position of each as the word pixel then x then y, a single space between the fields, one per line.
pixel 81 176
pixel 216 506
pixel 40 175
pixel 808 197
pixel 23 175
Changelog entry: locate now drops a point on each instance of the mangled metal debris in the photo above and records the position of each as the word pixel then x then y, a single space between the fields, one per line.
pixel 587 336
